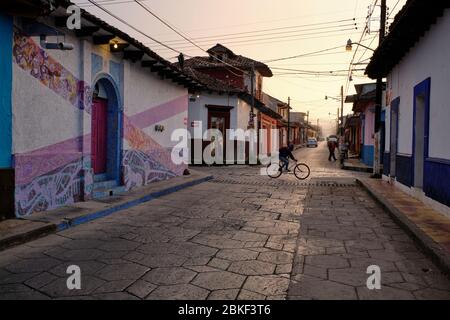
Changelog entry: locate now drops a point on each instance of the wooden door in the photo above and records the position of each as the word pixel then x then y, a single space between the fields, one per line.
pixel 220 120
pixel 99 134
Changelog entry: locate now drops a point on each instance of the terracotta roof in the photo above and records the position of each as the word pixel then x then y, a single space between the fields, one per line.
pixel 232 59
pixel 211 83
pixel 410 24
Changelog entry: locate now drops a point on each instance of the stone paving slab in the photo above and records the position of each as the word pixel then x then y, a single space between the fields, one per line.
pixel 334 251
pixel 429 227
pixel 17 231
pixel 244 241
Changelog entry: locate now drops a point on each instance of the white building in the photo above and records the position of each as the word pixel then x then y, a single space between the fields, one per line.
pixel 415 59
pixel 224 102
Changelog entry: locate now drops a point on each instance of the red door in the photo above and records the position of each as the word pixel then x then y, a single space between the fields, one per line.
pixel 98 145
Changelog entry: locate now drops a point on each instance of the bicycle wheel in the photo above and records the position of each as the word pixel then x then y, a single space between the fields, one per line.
pixel 302 171
pixel 273 170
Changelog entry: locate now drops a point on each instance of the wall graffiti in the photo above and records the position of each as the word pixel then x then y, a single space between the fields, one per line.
pixel 60 187
pixel 140 169
pixel 31 58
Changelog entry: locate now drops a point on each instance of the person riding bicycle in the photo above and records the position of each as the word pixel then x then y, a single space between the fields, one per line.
pixel 284 154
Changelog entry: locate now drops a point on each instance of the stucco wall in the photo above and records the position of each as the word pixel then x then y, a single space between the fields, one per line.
pixel 369 125
pixel 429 58
pixel 199 112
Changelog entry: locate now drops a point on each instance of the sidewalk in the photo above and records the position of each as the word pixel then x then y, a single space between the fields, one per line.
pixel 430 228
pixel 17 231
pixel 356 165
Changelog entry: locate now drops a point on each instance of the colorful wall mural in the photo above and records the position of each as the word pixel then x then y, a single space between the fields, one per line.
pixel 57 188
pixel 31 58
pixel 60 174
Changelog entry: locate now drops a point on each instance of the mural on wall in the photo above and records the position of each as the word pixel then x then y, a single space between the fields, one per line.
pixel 31 58
pixel 60 174
pixel 58 188
pixel 141 168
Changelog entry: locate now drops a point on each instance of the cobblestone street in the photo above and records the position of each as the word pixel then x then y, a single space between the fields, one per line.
pixel 239 236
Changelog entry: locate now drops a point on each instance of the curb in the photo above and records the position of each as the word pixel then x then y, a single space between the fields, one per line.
pixel 431 248
pixel 49 228
pixel 149 197
pixel 23 237
pixel 357 169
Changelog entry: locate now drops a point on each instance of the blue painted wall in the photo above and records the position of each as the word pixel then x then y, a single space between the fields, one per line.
pixel 96 65
pixel 6 32
pixel 367 154
pixel 436 180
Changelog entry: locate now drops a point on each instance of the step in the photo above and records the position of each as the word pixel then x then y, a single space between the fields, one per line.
pixel 100 193
pixel 100 177
pixel 105 184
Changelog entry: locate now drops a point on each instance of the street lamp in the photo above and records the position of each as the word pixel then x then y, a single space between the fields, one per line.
pixel 350 43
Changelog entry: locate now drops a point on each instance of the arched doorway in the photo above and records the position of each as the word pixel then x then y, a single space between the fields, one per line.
pixel 106 130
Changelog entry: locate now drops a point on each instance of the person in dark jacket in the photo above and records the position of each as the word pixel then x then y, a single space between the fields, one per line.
pixel 332 144
pixel 284 154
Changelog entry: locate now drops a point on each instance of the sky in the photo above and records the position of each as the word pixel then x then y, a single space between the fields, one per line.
pixel 266 30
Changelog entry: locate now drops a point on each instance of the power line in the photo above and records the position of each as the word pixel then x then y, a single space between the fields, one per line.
pixel 132 27
pixel 347 84
pixel 273 38
pixel 338 23
pixel 247 43
pixel 303 55
pixel 392 11
pixel 185 37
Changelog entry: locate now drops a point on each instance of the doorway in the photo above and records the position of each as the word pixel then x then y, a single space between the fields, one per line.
pixel 219 119
pixel 394 136
pixel 419 141
pixel 421 129
pixel 99 135
pixel 106 130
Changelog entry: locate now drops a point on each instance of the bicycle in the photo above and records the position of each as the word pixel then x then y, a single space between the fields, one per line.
pixel 300 170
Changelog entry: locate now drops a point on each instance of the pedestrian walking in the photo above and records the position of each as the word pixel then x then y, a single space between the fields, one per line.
pixel 332 144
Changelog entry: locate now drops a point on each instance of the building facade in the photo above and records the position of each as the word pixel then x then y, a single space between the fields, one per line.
pixel 417 156
pixel 225 102
pixel 87 122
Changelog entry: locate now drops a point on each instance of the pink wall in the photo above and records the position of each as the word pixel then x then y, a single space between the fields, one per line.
pixel 369 124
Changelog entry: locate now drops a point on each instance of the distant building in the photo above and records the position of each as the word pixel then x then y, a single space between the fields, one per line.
pixel 298 118
pixel 363 107
pixel 415 59
pixel 224 99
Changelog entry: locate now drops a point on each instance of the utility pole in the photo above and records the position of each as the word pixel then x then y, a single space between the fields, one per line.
pixel 252 88
pixel 318 130
pixel 342 110
pixel 379 101
pixel 289 120
pixel 307 126
pixel 337 121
